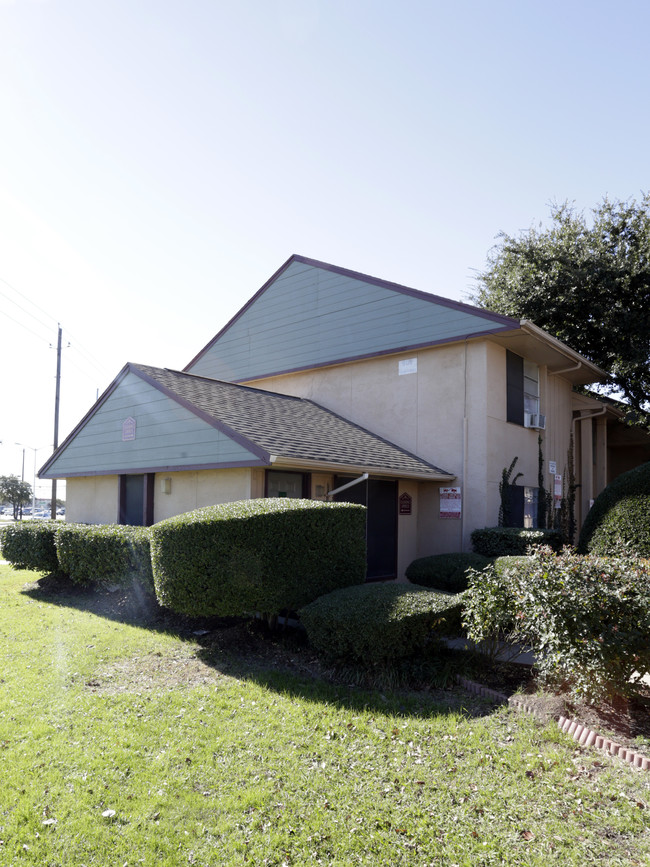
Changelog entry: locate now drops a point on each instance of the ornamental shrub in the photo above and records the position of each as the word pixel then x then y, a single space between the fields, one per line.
pixel 446 572
pixel 587 619
pixel 268 555
pixel 619 520
pixel 376 623
pixel 30 545
pixel 105 554
pixel 506 541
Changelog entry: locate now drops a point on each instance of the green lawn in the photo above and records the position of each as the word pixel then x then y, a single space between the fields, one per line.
pixel 125 745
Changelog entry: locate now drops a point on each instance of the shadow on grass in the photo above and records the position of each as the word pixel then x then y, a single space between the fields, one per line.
pixel 281 660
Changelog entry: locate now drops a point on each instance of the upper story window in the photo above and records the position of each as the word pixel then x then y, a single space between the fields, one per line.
pixel 522 384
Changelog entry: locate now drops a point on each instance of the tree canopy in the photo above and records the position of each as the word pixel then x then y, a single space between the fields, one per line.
pixel 15 492
pixel 587 282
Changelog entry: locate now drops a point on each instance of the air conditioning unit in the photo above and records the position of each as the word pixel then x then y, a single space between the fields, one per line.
pixel 535 420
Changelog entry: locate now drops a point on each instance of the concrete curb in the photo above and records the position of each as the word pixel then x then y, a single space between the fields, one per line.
pixel 581 734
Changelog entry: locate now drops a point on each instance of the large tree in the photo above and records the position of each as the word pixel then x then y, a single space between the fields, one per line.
pixel 586 281
pixel 15 492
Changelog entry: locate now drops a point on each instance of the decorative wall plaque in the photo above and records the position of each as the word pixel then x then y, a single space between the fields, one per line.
pixel 128 429
pixel 405 504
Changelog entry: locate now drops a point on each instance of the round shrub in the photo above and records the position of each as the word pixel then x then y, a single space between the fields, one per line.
pixel 446 572
pixel 513 541
pixel 30 545
pixel 619 520
pixel 375 623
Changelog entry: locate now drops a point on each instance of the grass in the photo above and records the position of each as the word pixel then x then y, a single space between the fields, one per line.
pixel 124 744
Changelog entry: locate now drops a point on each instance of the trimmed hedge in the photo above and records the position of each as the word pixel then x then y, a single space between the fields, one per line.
pixel 506 541
pixel 268 555
pixel 619 520
pixel 375 623
pixel 105 554
pixel 586 618
pixel 30 545
pixel 446 572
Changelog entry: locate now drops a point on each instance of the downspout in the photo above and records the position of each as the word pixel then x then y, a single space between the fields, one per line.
pixel 577 418
pixel 465 458
pixel 565 370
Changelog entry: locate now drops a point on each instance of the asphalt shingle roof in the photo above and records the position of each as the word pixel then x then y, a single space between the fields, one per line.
pixel 287 426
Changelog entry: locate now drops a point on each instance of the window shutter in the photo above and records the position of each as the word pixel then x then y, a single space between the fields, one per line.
pixel 515 387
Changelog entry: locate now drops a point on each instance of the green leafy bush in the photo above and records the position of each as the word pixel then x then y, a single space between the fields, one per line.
pixel 105 554
pixel 586 618
pixel 619 520
pixel 510 562
pixel 445 571
pixel 376 623
pixel 30 545
pixel 506 541
pixel 267 555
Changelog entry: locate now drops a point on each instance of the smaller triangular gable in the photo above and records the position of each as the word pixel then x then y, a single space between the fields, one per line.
pixel 137 427
pixel 310 314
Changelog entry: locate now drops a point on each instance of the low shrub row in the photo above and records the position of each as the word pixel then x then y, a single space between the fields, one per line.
pixel 31 545
pixel 88 554
pixel 268 555
pixel 105 554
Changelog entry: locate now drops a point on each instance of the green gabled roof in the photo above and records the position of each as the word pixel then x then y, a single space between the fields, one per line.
pixel 311 314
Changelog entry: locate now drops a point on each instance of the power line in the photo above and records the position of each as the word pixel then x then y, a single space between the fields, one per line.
pixel 22 325
pixel 33 303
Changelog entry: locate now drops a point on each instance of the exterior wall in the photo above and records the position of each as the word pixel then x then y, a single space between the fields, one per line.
pixel 407 528
pixel 451 412
pixel 92 500
pixel 195 489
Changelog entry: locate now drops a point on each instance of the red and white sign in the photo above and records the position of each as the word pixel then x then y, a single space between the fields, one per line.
pixel 450 503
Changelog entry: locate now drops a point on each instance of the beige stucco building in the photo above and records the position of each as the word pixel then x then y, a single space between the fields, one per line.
pixel 329 379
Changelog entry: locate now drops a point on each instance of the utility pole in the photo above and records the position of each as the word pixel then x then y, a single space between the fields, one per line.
pixel 56 413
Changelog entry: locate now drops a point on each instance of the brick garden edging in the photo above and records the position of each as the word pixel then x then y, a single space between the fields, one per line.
pixel 583 735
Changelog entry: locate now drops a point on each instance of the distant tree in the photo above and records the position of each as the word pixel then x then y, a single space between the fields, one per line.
pixel 15 492
pixel 587 283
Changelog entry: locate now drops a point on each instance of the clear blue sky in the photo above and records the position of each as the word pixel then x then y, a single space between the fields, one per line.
pixel 160 159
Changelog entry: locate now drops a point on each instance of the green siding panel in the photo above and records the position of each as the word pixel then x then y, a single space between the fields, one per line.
pixel 311 316
pixel 167 434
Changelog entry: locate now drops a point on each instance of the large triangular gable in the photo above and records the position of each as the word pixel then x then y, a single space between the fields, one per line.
pixel 310 314
pixel 139 426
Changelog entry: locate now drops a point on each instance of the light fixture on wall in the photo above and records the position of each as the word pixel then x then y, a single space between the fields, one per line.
pixel 166 486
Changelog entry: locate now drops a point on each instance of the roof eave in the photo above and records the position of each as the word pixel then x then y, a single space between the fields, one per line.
pixel 295 463
pixel 533 342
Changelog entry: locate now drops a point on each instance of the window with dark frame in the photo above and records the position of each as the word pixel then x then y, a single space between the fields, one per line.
pixel 522 388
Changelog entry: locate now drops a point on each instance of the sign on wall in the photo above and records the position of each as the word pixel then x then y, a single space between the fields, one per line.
pixel 557 491
pixel 450 503
pixel 405 504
